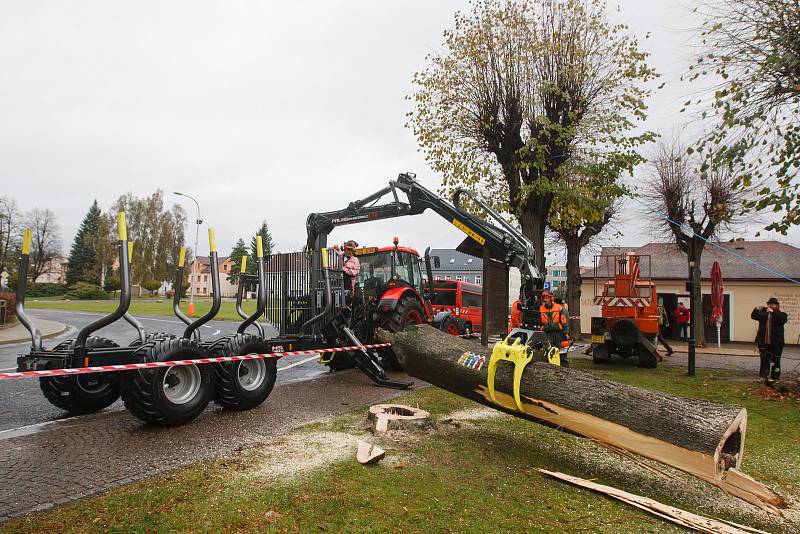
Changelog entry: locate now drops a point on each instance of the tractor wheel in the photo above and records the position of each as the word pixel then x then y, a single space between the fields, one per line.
pixel 408 311
pixel 153 336
pixel 600 354
pixel 244 384
pixel 82 394
pixel 168 396
pixel 450 326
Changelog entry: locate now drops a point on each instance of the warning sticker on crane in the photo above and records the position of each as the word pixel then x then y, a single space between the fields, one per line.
pixel 469 231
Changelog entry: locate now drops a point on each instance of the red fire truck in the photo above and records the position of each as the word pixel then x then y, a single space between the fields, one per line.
pixel 462 300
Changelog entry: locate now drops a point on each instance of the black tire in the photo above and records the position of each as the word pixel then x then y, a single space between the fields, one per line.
pixel 408 311
pixel 625 332
pixel 244 384
pixel 82 394
pixel 153 336
pixel 451 326
pixel 148 393
pixel 647 359
pixel 600 354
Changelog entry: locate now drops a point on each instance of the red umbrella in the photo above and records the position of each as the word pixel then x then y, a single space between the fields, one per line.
pixel 717 296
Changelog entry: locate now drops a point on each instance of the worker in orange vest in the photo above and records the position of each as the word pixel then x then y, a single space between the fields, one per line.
pixel 516 316
pixel 553 320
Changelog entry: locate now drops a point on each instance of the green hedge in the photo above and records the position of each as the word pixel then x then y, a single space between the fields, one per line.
pixel 45 290
pixel 86 291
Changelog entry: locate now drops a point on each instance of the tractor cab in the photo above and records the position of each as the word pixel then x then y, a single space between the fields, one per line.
pixel 387 268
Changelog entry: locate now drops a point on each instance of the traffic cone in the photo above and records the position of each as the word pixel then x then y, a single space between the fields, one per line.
pixel 190 311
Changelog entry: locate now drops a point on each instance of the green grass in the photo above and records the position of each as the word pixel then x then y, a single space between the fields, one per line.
pixel 148 306
pixel 479 477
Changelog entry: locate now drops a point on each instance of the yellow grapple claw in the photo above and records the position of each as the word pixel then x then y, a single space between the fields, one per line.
pixel 518 354
pixel 554 356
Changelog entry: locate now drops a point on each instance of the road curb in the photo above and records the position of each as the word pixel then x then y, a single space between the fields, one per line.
pixel 62 328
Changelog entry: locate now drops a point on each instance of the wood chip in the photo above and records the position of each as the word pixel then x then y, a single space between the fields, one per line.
pixel 369 453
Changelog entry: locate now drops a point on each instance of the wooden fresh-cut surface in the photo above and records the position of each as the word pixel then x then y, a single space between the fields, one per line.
pixel 703 438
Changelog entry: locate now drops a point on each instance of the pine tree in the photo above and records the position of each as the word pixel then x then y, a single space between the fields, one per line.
pixel 81 266
pixel 266 241
pixel 239 250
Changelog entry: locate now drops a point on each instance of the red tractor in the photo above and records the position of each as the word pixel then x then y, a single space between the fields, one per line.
pixel 393 292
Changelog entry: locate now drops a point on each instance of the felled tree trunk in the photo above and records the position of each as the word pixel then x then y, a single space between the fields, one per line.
pixel 699 437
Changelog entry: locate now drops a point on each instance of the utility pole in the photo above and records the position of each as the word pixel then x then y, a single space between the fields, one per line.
pixel 199 221
pixel 692 314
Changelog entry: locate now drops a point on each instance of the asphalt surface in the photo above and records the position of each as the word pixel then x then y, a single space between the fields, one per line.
pixel 22 403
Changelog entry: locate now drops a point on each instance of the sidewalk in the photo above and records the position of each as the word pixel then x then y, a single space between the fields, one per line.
pixel 18 334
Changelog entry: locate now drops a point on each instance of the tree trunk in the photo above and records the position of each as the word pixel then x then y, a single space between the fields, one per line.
pixel 574 285
pixel 533 227
pixel 700 437
pixel 695 254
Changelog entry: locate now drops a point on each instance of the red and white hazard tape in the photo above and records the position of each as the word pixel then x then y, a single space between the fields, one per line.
pixel 152 365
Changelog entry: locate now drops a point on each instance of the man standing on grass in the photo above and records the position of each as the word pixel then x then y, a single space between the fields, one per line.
pixel 769 338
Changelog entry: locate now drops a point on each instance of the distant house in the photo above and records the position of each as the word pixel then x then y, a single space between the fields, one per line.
pixel 455 265
pixel 201 270
pixel 55 272
pixel 746 284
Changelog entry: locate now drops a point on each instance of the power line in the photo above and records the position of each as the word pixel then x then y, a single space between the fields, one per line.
pixel 724 249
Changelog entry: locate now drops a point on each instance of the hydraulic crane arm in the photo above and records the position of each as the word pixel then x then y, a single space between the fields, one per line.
pixel 503 241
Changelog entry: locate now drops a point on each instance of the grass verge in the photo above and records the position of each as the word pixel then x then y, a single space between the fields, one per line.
pixel 162 307
pixel 472 473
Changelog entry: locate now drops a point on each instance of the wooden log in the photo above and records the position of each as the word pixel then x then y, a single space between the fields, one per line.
pixel 700 437
pixel 368 453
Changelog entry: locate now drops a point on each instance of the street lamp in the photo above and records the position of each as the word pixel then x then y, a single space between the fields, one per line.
pixel 199 221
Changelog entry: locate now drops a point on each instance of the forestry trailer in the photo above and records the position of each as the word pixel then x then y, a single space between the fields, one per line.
pixel 628 325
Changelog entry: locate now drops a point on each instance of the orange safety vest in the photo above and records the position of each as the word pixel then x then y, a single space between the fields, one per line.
pixel 552 319
pixel 516 316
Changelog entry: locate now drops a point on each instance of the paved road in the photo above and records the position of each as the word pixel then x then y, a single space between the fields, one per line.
pixel 22 404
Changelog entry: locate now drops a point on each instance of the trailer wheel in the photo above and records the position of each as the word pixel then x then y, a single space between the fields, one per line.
pixel 82 394
pixel 168 396
pixel 153 336
pixel 600 354
pixel 243 385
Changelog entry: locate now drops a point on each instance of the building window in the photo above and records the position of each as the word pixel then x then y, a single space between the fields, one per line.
pixel 452 260
pixel 555 283
pixel 198 277
pixel 477 279
pixel 439 277
pixel 205 278
pixel 469 261
pixel 459 278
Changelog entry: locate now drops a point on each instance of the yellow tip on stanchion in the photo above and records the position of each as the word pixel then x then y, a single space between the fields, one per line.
pixel 26 241
pixel 243 269
pixel 122 227
pixel 324 258
pixel 212 240
pixel 182 257
pixel 259 247
pixel 130 251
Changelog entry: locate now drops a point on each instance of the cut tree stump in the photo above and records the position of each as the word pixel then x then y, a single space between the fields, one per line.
pixel 703 438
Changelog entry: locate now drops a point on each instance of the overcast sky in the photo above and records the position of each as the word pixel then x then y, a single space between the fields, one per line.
pixel 260 110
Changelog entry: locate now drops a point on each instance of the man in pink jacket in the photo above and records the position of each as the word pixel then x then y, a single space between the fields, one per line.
pixel 350 264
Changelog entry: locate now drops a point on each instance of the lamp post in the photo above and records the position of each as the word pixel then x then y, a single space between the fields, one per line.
pixel 199 221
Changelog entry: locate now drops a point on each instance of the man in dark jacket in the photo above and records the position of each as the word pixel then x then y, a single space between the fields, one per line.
pixel 770 338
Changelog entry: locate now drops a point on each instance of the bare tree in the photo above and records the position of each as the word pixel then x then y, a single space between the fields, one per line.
pixel 46 241
pixel 9 232
pixel 751 53
pixel 693 207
